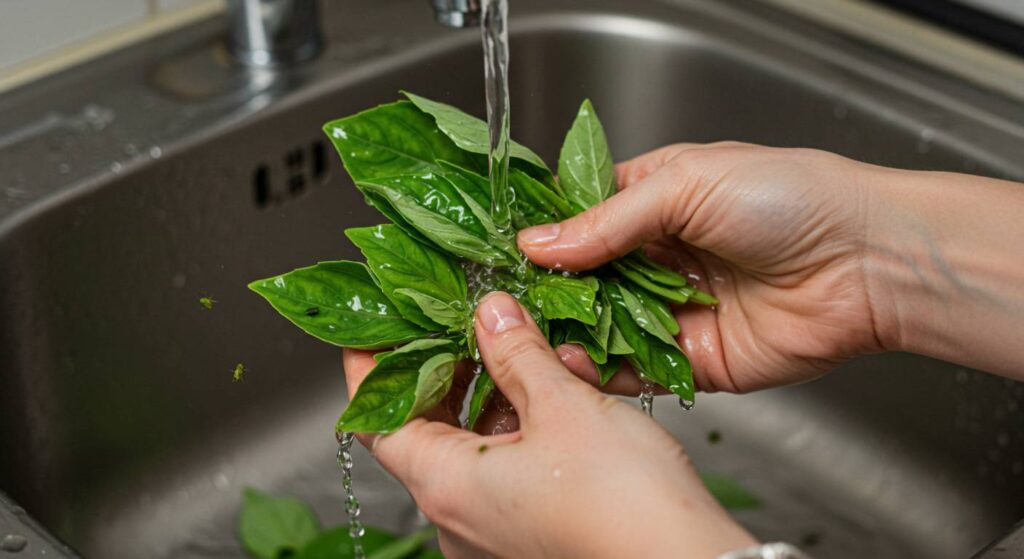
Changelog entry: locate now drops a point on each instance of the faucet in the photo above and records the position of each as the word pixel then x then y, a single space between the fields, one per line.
pixel 266 33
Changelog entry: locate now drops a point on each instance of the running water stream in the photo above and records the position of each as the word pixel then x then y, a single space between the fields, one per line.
pixel 494 30
pixel 355 527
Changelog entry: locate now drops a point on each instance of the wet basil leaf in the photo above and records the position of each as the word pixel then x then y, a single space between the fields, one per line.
pixel 579 334
pixel 656 307
pixel 403 548
pixel 585 168
pixel 453 315
pixel 393 139
pixel 535 203
pixel 337 543
pixel 468 132
pixel 606 371
pixel 431 205
pixel 659 362
pixel 404 384
pixel 729 493
pixel 617 344
pixel 653 271
pixel 351 311
pixel 565 297
pixel 474 184
pixel 400 262
pixel 482 389
pixel 272 527
pixel 644 318
pixel 430 554
pixel 675 294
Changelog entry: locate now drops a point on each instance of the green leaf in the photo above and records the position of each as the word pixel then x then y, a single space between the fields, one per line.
pixel 404 548
pixel 535 203
pixel 451 314
pixel 468 132
pixel 607 370
pixel 658 309
pixel 578 333
pixel 400 262
pixel 729 493
pixel 430 554
pixel 482 390
pixel 659 362
pixel 431 205
pixel 337 543
pixel 474 184
pixel 406 382
pixel 644 318
pixel 565 297
pixel 617 344
pixel 274 526
pixel 653 271
pixel 675 294
pixel 339 303
pixel 585 164
pixel 393 139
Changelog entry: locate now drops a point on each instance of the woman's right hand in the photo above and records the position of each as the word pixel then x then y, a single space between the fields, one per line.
pixel 778 235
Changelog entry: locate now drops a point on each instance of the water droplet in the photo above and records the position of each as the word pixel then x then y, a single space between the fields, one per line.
pixel 647 398
pixel 130 150
pixel 63 168
pixel 116 167
pixel 924 141
pixel 686 404
pixel 13 543
pixel 155 152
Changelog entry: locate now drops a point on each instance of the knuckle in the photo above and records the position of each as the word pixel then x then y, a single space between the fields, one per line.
pixel 516 348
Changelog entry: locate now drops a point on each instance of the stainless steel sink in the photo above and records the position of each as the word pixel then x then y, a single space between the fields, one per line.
pixel 134 185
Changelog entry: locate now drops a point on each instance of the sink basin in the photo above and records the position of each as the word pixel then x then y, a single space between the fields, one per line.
pixel 163 175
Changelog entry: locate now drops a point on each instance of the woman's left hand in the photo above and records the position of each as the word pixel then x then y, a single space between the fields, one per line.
pixel 585 475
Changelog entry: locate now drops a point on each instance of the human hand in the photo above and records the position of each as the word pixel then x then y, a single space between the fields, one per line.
pixel 777 235
pixel 585 475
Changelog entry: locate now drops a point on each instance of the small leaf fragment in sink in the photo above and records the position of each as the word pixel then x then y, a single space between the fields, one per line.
pixel 207 302
pixel 238 372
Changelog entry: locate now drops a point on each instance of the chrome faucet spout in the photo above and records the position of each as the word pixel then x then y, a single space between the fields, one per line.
pixel 273 32
pixel 457 13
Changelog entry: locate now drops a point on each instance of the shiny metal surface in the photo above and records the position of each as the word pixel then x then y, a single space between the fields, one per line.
pixel 131 187
pixel 457 13
pixel 273 32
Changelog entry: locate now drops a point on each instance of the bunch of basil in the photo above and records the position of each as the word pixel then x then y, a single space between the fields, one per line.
pixel 423 164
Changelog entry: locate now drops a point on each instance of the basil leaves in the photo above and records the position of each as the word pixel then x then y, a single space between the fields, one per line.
pixel 422 164
pixel 283 527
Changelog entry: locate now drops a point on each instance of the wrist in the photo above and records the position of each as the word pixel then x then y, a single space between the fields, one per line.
pixel 941 265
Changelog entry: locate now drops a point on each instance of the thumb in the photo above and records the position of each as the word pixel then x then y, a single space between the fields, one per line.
pixel 650 209
pixel 518 357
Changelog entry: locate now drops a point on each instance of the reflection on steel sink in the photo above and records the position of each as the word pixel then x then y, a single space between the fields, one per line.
pixel 122 429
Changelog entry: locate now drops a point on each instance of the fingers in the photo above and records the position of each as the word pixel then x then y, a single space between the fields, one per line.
pixel 517 355
pixel 648 210
pixel 637 169
pixel 624 383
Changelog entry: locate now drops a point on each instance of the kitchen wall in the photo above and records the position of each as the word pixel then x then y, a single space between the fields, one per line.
pixel 39 36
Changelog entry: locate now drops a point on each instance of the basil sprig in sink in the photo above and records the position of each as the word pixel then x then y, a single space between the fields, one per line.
pixel 423 164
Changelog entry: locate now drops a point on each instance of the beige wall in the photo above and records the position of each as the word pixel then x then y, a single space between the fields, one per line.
pixel 41 36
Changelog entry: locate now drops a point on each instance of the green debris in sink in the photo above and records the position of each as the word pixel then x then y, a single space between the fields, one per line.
pixel 729 493
pixel 714 436
pixel 238 372
pixel 423 165
pixel 277 527
pixel 207 302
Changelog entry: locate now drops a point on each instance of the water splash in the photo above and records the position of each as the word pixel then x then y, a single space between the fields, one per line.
pixel 355 527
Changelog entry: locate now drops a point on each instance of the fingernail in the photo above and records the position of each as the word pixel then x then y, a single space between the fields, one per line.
pixel 499 312
pixel 541 234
